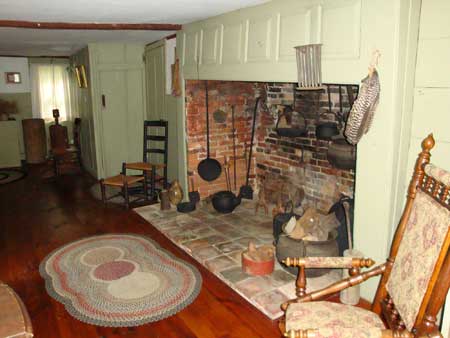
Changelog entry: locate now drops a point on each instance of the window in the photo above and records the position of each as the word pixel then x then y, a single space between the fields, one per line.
pixel 50 90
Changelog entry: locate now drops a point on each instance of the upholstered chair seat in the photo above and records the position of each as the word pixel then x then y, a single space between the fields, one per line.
pixel 333 320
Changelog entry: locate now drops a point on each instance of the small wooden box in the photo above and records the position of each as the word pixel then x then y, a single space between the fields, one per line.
pixel 258 261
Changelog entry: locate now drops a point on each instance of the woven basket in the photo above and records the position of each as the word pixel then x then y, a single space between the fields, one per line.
pixel 361 115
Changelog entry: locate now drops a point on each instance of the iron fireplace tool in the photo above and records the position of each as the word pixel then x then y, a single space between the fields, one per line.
pixel 246 191
pixel 194 195
pixel 234 149
pixel 209 168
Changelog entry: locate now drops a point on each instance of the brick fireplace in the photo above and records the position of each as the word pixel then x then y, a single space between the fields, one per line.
pixel 288 165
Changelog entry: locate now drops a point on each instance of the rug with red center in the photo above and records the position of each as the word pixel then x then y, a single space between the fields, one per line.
pixel 119 280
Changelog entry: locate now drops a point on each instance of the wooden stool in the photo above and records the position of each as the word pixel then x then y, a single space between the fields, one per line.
pixel 123 181
pixel 151 168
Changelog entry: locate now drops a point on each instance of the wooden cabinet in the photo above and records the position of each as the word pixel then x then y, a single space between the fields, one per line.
pixel 9 144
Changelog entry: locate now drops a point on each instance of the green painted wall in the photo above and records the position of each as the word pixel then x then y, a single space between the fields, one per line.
pixel 123 62
pixel 82 107
pixel 163 106
pixel 23 101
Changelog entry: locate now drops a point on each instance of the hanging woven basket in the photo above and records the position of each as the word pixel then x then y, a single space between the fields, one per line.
pixel 361 115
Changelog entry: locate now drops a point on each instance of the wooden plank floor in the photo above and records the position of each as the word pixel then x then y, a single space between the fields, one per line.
pixel 39 215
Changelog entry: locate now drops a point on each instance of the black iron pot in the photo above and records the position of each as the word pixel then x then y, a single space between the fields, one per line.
pixel 341 154
pixel 194 196
pixel 225 201
pixel 289 247
pixel 291 132
pixel 326 130
pixel 186 206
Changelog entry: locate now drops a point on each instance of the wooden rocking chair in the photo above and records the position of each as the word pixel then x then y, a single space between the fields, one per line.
pixel 414 280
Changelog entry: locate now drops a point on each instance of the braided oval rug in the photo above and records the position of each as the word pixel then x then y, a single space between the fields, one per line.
pixel 119 280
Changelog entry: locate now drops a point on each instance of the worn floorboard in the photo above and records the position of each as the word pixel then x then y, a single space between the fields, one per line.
pixel 38 215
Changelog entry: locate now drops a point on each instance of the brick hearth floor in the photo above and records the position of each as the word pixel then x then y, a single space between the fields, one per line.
pixel 216 241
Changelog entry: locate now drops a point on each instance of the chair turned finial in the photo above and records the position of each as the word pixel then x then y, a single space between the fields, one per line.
pixel 428 143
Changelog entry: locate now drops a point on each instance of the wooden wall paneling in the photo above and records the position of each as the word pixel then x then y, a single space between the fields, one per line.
pixel 439 100
pixel 209 45
pixel 231 48
pixel 117 72
pixel 341 29
pixel 293 29
pixel 432 62
pixel 259 45
pixel 156 83
pixel 135 113
pixel 190 51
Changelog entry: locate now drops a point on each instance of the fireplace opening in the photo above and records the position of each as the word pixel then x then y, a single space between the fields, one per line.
pixel 312 168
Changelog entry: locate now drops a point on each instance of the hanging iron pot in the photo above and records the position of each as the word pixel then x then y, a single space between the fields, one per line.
pixel 297 130
pixel 341 154
pixel 327 130
pixel 295 119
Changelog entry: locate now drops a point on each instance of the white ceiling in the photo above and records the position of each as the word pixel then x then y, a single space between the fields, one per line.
pixel 30 42
pixel 43 42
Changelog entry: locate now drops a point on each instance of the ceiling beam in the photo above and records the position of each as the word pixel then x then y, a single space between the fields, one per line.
pixel 90 26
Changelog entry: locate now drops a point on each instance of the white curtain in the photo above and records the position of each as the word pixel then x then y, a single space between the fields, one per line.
pixel 50 89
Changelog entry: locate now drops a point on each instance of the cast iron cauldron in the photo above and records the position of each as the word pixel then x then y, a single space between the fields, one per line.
pixel 225 201
pixel 186 206
pixel 289 247
pixel 326 130
pixel 341 154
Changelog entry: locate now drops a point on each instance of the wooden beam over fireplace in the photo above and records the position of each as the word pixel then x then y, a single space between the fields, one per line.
pixel 90 26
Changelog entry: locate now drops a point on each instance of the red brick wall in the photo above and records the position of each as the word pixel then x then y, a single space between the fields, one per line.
pixel 301 161
pixel 222 95
pixel 283 163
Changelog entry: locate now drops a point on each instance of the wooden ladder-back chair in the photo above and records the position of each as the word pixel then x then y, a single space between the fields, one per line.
pixel 64 155
pixel 414 279
pixel 154 144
